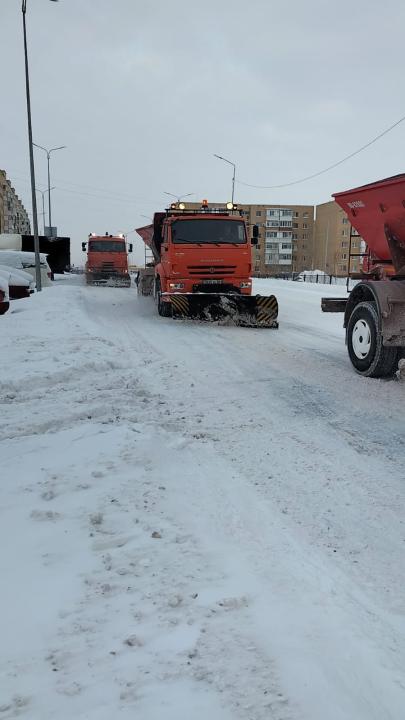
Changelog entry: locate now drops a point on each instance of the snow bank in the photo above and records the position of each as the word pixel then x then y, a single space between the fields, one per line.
pixel 196 519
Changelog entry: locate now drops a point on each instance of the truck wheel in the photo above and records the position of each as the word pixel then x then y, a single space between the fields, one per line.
pixel 164 308
pixel 365 343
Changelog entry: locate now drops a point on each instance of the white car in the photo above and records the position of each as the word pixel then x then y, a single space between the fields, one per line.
pixel 20 283
pixel 26 261
pixel 4 295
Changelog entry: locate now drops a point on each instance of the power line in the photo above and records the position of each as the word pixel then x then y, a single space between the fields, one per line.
pixel 108 193
pixel 112 197
pixel 330 167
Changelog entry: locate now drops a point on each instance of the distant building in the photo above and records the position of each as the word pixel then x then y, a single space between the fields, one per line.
pixel 286 237
pixel 332 241
pixel 13 215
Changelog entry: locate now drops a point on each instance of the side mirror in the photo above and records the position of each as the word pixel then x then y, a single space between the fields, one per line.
pixel 255 231
pixel 254 240
pixel 130 247
pixel 84 246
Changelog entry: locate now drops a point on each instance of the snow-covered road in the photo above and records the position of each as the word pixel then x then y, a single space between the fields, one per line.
pixel 196 519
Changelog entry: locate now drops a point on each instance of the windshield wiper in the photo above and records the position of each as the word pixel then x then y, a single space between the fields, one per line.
pixel 183 241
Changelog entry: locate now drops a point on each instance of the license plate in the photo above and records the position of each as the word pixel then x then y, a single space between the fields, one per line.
pixel 211 282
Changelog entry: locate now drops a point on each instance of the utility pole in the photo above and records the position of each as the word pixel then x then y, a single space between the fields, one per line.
pixel 31 154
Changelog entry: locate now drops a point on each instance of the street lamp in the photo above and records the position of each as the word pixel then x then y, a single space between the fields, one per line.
pixel 234 171
pixel 178 197
pixel 48 155
pixel 31 154
pixel 43 203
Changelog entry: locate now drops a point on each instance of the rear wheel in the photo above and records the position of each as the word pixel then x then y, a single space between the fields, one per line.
pixel 365 343
pixel 164 308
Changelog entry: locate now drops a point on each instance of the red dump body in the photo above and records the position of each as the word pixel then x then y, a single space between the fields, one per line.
pixel 374 208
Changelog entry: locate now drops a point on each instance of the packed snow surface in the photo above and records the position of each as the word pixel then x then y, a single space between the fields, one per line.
pixel 196 520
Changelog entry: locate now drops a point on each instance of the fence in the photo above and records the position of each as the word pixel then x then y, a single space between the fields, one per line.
pixel 310 277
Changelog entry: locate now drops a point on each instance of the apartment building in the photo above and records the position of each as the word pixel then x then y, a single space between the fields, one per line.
pixel 13 215
pixel 286 236
pixel 332 241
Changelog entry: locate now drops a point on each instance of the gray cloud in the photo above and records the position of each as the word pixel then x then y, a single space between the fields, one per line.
pixel 143 93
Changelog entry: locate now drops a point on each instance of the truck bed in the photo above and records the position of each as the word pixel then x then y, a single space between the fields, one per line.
pixel 374 207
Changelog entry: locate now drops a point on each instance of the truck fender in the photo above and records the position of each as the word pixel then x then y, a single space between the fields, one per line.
pixel 389 297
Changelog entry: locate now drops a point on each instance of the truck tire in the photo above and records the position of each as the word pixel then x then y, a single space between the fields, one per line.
pixel 164 308
pixel 367 353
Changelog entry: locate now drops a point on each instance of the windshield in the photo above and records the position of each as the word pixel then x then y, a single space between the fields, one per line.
pixel 208 231
pixel 106 246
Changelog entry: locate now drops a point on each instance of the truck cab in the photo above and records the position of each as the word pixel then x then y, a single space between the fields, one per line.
pixel 202 266
pixel 107 260
pixel 201 251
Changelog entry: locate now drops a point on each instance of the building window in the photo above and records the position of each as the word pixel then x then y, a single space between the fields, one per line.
pixel 258 213
pixel 304 236
pixel 304 225
pixel 344 233
pixel 345 244
pixel 295 225
pixel 296 214
pixel 345 220
pixel 286 246
pixel 305 215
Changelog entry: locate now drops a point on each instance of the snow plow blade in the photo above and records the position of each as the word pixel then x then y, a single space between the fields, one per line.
pixel 244 310
pixel 108 280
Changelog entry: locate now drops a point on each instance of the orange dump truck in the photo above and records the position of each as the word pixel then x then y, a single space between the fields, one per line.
pixel 107 260
pixel 202 266
pixel 374 311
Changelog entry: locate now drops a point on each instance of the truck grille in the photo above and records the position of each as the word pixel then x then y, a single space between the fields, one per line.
pixel 107 266
pixel 211 270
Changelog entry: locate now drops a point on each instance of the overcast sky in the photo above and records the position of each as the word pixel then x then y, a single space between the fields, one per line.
pixel 143 93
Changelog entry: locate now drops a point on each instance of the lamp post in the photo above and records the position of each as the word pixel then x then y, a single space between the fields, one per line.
pixel 43 204
pixel 48 155
pixel 234 171
pixel 178 197
pixel 31 154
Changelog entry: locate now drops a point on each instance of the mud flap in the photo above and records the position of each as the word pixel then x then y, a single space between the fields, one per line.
pixel 245 310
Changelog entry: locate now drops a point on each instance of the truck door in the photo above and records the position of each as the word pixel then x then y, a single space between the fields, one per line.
pixel 165 253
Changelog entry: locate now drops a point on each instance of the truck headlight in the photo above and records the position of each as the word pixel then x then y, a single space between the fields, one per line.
pixel 176 286
pixel 246 284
